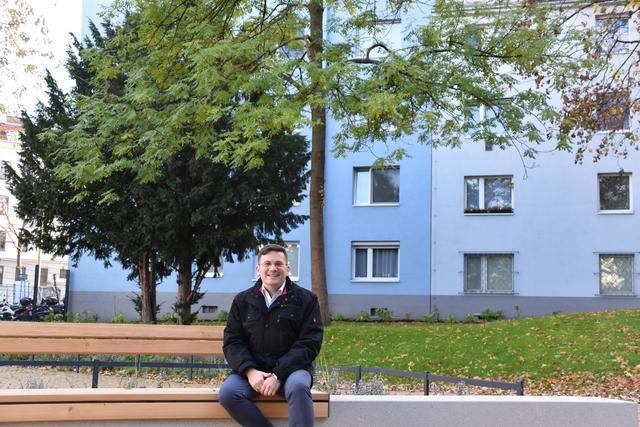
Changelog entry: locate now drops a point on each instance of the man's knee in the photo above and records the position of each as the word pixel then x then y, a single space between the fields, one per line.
pixel 230 393
pixel 298 386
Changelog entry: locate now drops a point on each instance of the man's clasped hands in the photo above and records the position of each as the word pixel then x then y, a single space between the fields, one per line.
pixel 264 383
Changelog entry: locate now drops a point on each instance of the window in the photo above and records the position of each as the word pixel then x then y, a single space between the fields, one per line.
pixel 3 169
pixel 3 240
pixel 375 261
pixel 293 254
pixel 488 194
pixel 4 205
pixel 376 186
pixel 615 194
pixel 490 115
pixel 613 32
pixel 612 112
pixel 616 274
pixel 44 276
pixel 12 136
pixel 215 272
pixel 488 273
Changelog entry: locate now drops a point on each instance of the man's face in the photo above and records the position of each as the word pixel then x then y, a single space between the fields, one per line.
pixel 273 269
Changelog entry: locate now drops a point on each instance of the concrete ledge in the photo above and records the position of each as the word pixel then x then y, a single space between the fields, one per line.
pixel 443 411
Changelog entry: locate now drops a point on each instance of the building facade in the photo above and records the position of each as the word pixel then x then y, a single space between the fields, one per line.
pixel 18 264
pixel 455 231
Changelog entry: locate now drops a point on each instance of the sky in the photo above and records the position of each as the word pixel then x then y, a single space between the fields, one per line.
pixel 61 17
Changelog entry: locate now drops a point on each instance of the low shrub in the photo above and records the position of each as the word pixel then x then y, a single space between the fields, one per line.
pixel 489 315
pixel 363 316
pixel 223 315
pixel 337 317
pixel 383 314
pixel 119 318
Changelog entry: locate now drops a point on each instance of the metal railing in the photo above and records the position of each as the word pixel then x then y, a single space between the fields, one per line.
pixel 427 377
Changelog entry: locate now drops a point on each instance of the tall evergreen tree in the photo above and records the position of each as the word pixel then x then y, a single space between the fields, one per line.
pixel 192 214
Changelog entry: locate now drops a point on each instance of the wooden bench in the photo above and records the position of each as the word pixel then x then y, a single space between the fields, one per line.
pixel 120 404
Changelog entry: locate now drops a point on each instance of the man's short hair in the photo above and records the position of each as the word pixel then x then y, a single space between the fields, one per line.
pixel 272 247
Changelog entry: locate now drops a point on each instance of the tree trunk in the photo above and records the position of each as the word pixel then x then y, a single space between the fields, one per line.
pixel 317 193
pixel 147 273
pixel 183 304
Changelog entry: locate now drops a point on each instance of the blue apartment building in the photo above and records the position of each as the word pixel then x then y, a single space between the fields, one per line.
pixel 455 231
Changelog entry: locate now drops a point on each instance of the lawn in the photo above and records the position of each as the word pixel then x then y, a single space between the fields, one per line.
pixel 536 348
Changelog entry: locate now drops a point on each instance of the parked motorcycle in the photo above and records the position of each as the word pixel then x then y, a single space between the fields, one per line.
pixel 6 313
pixel 27 311
pixel 24 310
pixel 49 305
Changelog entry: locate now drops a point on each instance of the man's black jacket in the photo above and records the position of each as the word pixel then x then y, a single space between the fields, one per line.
pixel 281 339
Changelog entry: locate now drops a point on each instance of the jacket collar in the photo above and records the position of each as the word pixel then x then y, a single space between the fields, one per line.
pixel 256 297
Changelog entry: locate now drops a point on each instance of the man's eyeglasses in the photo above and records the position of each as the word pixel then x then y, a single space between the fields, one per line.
pixel 276 264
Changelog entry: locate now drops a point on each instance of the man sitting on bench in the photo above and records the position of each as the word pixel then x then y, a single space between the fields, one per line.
pixel 273 335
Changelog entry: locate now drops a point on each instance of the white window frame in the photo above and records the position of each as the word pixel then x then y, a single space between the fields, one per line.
pixel 4 205
pixel 370 246
pixel 483 274
pixel 370 188
pixel 4 164
pixel 483 210
pixel 288 245
pixel 621 48
pixel 482 114
pixel 599 195
pixel 624 129
pixel 633 273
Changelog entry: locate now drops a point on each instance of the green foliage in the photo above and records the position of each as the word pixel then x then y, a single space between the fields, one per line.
pixel 223 315
pixel 170 317
pixel 489 315
pixel 518 312
pixel 432 317
pixel 84 316
pixel 337 317
pixel 363 316
pixel 119 318
pixel 53 317
pixel 535 347
pixel 452 319
pixel 383 314
pixel 137 304
pixel 471 318
pixel 408 317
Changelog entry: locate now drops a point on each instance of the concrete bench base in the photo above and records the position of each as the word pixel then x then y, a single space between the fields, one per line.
pixel 441 411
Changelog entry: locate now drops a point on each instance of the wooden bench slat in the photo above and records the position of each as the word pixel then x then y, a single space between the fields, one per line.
pixel 109 330
pixel 136 411
pixel 109 346
pixel 123 395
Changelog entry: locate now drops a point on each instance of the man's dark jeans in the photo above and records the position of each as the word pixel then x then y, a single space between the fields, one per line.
pixel 236 394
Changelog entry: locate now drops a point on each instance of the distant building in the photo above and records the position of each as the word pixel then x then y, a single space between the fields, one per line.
pixel 17 265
